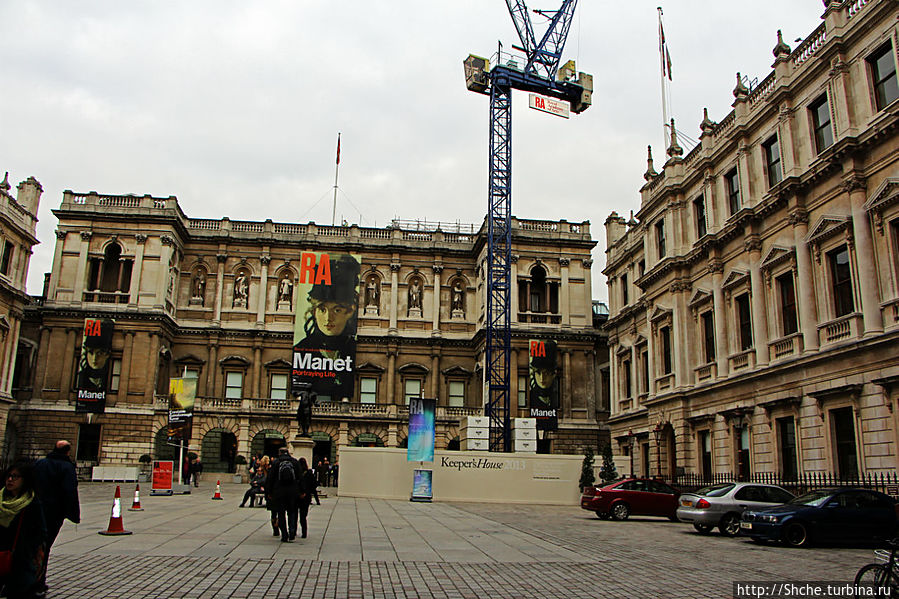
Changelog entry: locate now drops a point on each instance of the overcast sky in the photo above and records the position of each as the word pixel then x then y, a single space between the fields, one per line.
pixel 234 107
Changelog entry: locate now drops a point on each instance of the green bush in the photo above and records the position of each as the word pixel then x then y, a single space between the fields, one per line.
pixel 587 476
pixel 607 473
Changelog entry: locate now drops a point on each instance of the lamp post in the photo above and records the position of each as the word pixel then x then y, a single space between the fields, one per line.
pixel 630 451
pixel 657 434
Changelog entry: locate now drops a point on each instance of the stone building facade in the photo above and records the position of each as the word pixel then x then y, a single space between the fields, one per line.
pixel 215 300
pixel 754 306
pixel 18 223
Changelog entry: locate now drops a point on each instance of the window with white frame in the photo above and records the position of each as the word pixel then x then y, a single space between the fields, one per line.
pixel 699 215
pixel 789 321
pixel 644 370
pixel 115 375
pixel 628 379
pixel 280 381
pixel 732 183
pixel 522 391
pixel 744 321
pixel 411 388
pixel 190 372
pixel 456 398
pixel 368 390
pixel 6 259
pixel 660 239
pixel 822 131
pixel 771 149
pixel 665 349
pixel 708 336
pixel 625 299
pixel 841 281
pixel 882 64
pixel 233 384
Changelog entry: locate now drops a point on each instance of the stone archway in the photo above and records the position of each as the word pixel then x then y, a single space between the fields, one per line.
pixel 267 442
pixel 218 450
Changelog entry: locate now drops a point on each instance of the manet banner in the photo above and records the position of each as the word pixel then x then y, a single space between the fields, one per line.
pixel 543 383
pixel 182 396
pixel 324 338
pixel 93 366
pixel 420 443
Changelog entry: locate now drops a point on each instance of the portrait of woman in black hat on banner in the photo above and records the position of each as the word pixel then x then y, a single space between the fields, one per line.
pixel 327 350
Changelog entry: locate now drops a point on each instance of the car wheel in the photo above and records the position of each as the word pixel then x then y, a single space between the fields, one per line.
pixel 795 534
pixel 703 529
pixel 729 525
pixel 620 511
pixel 602 515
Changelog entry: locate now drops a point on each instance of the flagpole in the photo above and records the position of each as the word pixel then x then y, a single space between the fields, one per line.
pixel 662 66
pixel 336 172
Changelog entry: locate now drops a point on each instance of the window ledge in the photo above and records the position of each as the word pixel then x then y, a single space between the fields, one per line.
pixel 841 329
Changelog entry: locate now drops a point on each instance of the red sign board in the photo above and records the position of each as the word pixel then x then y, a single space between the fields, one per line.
pixel 163 472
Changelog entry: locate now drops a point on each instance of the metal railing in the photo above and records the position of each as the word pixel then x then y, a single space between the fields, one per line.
pixel 801 483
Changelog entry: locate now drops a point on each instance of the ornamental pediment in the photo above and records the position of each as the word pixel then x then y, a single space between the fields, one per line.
pixel 660 313
pixel 457 371
pixel 827 227
pixel 699 297
pixel 189 359
pixel 368 367
pixel 413 368
pixel 735 278
pixel 777 255
pixel 278 363
pixel 238 361
pixel 886 194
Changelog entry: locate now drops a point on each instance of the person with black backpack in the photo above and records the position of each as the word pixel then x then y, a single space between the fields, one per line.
pixel 308 492
pixel 283 486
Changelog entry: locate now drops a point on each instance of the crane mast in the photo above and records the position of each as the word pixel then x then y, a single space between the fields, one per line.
pixel 538 73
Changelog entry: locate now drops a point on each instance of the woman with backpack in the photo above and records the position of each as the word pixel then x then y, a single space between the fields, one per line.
pixel 308 490
pixel 283 489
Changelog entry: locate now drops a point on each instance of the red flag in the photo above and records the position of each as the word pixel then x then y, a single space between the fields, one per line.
pixel 338 148
pixel 663 49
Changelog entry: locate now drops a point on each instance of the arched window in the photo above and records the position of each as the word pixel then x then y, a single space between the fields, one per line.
pixel 537 295
pixel 109 278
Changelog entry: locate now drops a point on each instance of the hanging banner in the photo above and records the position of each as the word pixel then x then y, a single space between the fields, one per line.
pixel 182 396
pixel 324 338
pixel 93 366
pixel 420 443
pixel 543 383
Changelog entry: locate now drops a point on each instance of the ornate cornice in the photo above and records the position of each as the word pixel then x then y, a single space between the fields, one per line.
pixel 60 234
pixel 86 235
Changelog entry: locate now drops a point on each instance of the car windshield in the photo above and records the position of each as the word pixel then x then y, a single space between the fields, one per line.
pixel 715 490
pixel 814 499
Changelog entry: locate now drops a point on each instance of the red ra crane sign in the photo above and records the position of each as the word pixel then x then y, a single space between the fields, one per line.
pixel 549 105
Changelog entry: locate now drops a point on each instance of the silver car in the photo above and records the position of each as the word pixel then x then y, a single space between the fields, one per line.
pixel 721 505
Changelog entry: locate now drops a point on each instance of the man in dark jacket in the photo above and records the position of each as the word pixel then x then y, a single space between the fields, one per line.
pixel 57 488
pixel 283 488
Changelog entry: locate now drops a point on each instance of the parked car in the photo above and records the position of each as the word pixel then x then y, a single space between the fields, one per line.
pixel 721 505
pixel 637 496
pixel 846 514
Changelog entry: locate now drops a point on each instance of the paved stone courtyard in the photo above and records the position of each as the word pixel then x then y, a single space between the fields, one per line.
pixel 193 547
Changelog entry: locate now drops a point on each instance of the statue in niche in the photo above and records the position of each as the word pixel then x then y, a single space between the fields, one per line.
pixel 241 291
pixel 372 295
pixel 415 297
pixel 285 292
pixel 198 289
pixel 458 302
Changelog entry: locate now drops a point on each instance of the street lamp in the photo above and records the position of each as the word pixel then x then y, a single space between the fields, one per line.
pixel 657 434
pixel 630 451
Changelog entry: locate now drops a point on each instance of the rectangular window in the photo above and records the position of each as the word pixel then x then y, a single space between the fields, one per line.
pixel 641 268
pixel 628 380
pixel 88 443
pixel 705 454
pixel 744 321
pixel 786 433
pixel 624 295
pixel 772 161
pixel 522 391
pixel 279 385
pixel 743 468
pixel 841 278
pixel 665 337
pixel 368 389
pixel 787 303
pixel 644 366
pixel 233 385
pixel 660 238
pixel 708 336
pixel 115 375
pixel 411 388
pixel 823 132
pixel 883 75
pixel 191 373
pixel 456 394
pixel 732 181
pixel 7 258
pixel 699 213
pixel 844 442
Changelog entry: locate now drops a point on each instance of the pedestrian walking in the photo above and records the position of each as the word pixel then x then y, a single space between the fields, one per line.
pixel 326 473
pixel 23 533
pixel 56 486
pixel 283 488
pixel 196 468
pixel 308 490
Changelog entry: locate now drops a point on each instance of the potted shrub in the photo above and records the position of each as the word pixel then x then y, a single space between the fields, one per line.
pixel 240 462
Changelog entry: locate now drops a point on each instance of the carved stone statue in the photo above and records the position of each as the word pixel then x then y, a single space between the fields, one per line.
pixel 304 411
pixel 458 303
pixel 372 293
pixel 285 292
pixel 241 291
pixel 415 295
pixel 198 289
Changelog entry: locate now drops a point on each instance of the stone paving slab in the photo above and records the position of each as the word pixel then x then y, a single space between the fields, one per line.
pixel 193 547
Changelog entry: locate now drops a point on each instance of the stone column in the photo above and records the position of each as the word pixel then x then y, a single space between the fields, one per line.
pixel 590 365
pixel 257 368
pixel 565 296
pixel 588 289
pixel 805 281
pixel 716 269
pixel 614 387
pixel 261 297
pixel 137 269
pixel 438 269
pixel 394 293
pixel 219 286
pixel 680 326
pixel 744 175
pixel 391 375
pixel 9 357
pixel 57 264
pixel 343 434
pixel 435 374
pixel 152 369
pixel 243 441
pixel 80 273
pixel 864 256
pixel 125 378
pixel 650 353
pixel 789 166
pixel 213 368
pixel 67 372
pixel 40 369
pixel 566 400
pixel 162 277
pixel 759 318
pixel 391 434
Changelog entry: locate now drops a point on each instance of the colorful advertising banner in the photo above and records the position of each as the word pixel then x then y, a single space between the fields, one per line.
pixel 324 338
pixel 420 443
pixel 182 396
pixel 543 383
pixel 422 485
pixel 163 477
pixel 93 366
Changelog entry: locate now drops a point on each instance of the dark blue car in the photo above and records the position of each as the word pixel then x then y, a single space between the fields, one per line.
pixel 847 514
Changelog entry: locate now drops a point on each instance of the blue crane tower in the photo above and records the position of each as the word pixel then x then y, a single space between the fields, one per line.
pixel 539 73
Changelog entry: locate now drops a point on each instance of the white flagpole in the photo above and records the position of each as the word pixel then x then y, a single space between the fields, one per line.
pixel 662 67
pixel 336 172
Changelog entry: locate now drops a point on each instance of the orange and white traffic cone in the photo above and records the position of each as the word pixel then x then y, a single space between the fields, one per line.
pixel 135 505
pixel 218 490
pixel 116 526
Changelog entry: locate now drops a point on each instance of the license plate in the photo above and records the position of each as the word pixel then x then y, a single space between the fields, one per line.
pixel 746 525
pixel 686 502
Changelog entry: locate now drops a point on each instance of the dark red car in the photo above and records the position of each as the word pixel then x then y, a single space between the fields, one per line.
pixel 638 496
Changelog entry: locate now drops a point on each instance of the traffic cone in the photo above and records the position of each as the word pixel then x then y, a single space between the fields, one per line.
pixel 135 505
pixel 218 490
pixel 116 526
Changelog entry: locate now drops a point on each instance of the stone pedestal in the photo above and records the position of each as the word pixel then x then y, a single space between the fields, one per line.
pixel 301 447
pixel 371 310
pixel 414 312
pixel 460 314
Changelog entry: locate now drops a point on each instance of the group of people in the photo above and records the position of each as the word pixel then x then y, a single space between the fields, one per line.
pixel 325 473
pixel 288 486
pixel 35 500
